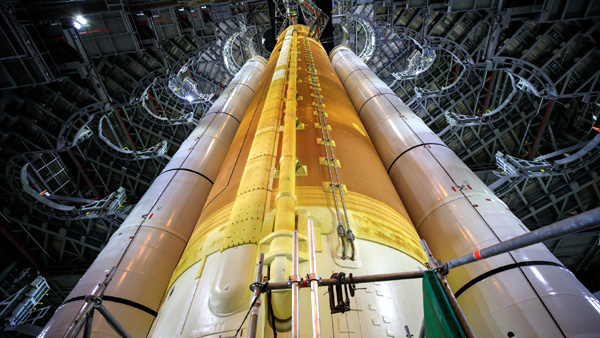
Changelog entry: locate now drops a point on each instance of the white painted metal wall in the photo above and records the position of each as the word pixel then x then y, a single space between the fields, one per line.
pixel 379 309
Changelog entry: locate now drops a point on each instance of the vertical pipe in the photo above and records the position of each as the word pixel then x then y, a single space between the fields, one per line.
pixel 79 321
pixel 460 315
pixel 112 321
pixel 462 319
pixel 85 175
pixel 526 130
pixel 17 245
pixel 257 175
pixel 422 330
pixel 88 306
pixel 253 324
pixel 285 201
pixel 314 283
pixel 252 197
pixel 487 95
pixel 330 157
pixel 126 130
pixel 89 320
pixel 295 289
pixel 536 143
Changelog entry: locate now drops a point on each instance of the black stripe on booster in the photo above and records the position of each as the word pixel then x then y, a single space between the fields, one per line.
pixel 120 301
pixel 502 269
pixel 411 148
pixel 190 170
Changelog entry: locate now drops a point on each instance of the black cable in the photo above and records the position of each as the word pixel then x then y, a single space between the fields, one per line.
pixel 246 316
pixel 271 314
pixel 263 287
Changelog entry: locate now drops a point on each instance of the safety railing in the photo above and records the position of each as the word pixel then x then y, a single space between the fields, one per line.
pixel 440 304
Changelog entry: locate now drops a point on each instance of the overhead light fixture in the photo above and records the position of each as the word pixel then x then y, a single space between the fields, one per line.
pixel 81 20
pixel 189 98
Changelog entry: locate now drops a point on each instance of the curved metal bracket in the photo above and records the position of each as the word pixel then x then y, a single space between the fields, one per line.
pixel 515 170
pixel 533 77
pixel 157 150
pixel 75 128
pixel 370 38
pixel 183 85
pixel 232 66
pixel 108 205
pixel 460 120
pixel 182 119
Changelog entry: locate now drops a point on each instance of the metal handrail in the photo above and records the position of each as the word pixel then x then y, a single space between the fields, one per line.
pixel 583 221
pixel 336 184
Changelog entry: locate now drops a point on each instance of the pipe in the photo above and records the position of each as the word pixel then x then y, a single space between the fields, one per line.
pixel 314 282
pixel 526 130
pixel 253 323
pixel 294 281
pixel 112 321
pixel 486 95
pixel 80 320
pixel 150 241
pixel 262 154
pixel 85 175
pixel 252 195
pixel 460 315
pixel 88 306
pixel 126 130
pixel 535 145
pixel 587 220
pixel 335 182
pixel 382 277
pixel 285 201
pixel 422 330
pixel 17 245
pixel 456 213
pixel 89 320
pixel 462 319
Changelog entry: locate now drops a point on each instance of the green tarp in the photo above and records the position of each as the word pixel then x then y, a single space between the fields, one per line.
pixel 440 320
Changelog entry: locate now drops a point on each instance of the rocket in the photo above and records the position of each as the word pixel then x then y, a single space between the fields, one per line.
pixel 301 153
pixel 311 138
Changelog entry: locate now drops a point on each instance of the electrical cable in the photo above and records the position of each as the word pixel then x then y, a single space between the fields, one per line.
pixel 263 287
